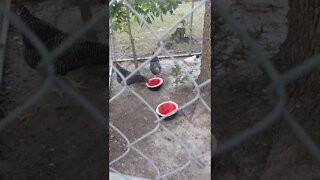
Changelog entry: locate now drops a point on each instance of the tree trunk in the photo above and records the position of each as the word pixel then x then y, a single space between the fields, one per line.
pixel 205 73
pixel 191 22
pixel 86 15
pixel 131 39
pixel 288 158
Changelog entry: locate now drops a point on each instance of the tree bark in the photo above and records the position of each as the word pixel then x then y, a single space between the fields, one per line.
pixel 288 158
pixel 135 61
pixel 205 73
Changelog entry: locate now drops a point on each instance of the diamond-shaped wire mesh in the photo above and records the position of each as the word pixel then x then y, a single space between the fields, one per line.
pixel 51 80
pixel 191 27
pixel 197 98
pixel 278 85
pixel 47 60
pixel 277 80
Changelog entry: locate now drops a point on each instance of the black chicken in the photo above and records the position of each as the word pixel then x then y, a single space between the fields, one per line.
pixel 136 78
pixel 42 29
pixel 82 53
pixel 155 66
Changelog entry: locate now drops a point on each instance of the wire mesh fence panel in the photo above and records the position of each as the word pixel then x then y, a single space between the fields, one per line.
pixel 48 57
pixel 177 41
pixel 50 80
pixel 136 130
pixel 278 82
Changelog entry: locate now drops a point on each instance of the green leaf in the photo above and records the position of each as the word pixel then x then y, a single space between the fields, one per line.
pixel 149 9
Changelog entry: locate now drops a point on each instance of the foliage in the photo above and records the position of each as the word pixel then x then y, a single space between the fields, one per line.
pixel 176 72
pixel 148 9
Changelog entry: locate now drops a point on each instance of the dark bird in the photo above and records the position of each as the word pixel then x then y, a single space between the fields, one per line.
pixel 42 29
pixel 82 53
pixel 155 66
pixel 136 78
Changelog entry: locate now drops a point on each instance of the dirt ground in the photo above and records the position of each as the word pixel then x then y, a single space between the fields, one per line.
pixel 239 100
pixel 132 117
pixel 56 138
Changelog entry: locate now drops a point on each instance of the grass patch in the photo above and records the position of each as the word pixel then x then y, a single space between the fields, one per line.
pixel 145 42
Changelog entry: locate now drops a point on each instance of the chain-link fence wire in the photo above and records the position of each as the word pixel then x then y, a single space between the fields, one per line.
pixel 51 79
pixel 278 83
pixel 158 120
pixel 190 43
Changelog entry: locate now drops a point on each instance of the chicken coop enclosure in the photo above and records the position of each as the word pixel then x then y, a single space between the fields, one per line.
pixel 139 139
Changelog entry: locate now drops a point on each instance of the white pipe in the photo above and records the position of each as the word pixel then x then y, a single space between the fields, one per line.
pixel 160 57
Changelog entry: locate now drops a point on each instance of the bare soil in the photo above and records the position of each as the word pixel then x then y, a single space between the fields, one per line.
pixel 134 120
pixel 55 138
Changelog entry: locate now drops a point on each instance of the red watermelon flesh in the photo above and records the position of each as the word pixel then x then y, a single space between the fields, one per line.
pixel 166 108
pixel 153 82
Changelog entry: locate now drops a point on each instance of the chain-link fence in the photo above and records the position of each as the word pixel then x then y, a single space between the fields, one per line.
pixel 278 82
pixel 47 61
pixel 160 44
pixel 185 39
